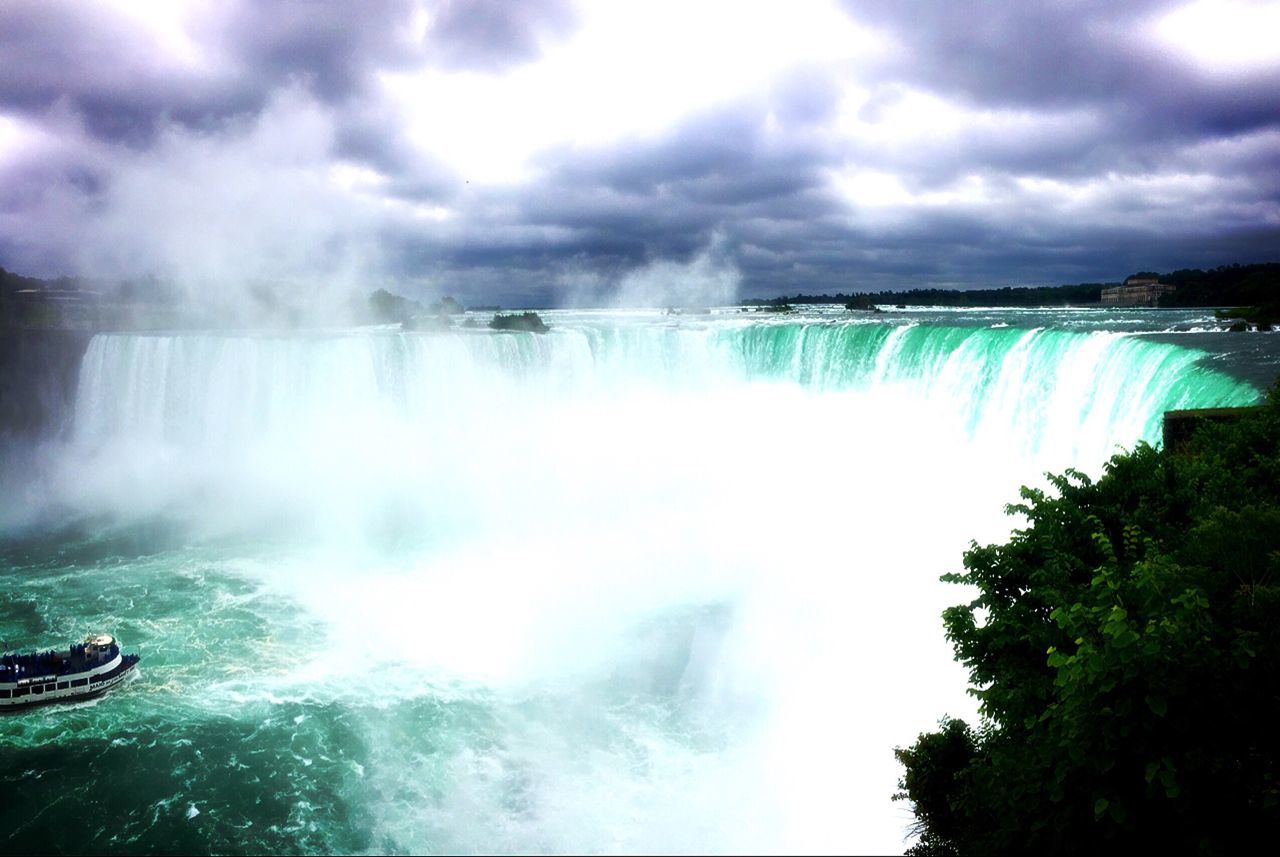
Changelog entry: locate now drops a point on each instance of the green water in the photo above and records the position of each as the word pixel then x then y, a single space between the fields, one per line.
pixel 217 748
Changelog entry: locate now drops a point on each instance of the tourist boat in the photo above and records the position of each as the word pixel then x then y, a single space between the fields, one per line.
pixel 80 672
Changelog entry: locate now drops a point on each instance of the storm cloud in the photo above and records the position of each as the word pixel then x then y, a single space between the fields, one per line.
pixel 547 152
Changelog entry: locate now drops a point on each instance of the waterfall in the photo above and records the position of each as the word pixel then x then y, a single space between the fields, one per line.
pixel 1050 389
pixel 621 587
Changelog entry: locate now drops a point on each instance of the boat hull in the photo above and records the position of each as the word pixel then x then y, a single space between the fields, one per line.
pixel 96 685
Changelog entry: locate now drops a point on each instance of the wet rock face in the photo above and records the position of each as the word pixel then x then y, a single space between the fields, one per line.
pixel 39 370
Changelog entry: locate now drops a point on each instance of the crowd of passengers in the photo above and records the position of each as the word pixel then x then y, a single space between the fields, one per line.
pixel 13 667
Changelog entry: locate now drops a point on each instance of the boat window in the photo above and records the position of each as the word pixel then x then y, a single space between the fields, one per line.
pixel 63 685
pixel 6 693
pixel 22 691
pixel 79 682
pixel 38 689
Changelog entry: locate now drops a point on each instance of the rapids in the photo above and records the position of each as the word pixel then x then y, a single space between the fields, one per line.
pixel 640 584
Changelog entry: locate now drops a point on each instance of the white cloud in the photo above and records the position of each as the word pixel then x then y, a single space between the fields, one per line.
pixel 631 70
pixel 1223 37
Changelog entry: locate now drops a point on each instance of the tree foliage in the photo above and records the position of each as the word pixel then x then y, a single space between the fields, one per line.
pixel 1125 647
pixel 528 321
pixel 386 307
pixel 1226 285
pixel 1011 296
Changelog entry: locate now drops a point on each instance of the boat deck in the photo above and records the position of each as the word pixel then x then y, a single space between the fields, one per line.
pixel 76 659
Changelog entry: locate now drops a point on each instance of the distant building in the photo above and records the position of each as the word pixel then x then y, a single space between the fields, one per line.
pixel 1136 291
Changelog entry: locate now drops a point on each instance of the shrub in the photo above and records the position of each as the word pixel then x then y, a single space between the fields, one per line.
pixel 1125 647
pixel 529 321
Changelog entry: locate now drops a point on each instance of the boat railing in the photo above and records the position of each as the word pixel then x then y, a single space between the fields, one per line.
pixel 50 663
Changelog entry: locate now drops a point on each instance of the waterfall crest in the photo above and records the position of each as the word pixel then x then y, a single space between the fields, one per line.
pixel 1041 385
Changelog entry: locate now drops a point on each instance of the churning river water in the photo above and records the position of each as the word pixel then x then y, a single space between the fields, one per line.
pixel 644 583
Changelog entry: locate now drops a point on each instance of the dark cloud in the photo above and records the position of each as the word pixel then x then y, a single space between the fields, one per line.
pixel 724 149
pixel 78 57
pixel 124 86
pixel 1011 52
pixel 492 35
pixel 331 48
pixel 1063 55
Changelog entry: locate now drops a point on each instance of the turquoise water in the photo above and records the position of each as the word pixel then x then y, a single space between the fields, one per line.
pixel 642 584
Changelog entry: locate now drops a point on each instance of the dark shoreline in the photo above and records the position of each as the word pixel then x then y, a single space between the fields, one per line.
pixel 39 369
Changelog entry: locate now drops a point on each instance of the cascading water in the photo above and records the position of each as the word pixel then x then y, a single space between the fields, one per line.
pixel 622 587
pixel 217 390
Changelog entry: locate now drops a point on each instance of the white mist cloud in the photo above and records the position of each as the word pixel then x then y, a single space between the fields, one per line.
pixel 711 278
pixel 252 206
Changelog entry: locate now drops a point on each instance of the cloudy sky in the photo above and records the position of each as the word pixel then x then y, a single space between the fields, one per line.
pixel 551 151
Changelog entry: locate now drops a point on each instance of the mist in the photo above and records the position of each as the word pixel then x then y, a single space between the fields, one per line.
pixel 710 278
pixel 239 222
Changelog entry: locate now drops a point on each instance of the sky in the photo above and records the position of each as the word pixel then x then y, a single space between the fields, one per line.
pixel 550 152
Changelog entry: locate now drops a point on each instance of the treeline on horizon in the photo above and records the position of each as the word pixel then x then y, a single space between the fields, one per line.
pixel 1075 295
pixel 92 304
pixel 1227 285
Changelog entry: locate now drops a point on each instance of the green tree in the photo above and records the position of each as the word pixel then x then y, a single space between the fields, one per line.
pixel 1125 648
